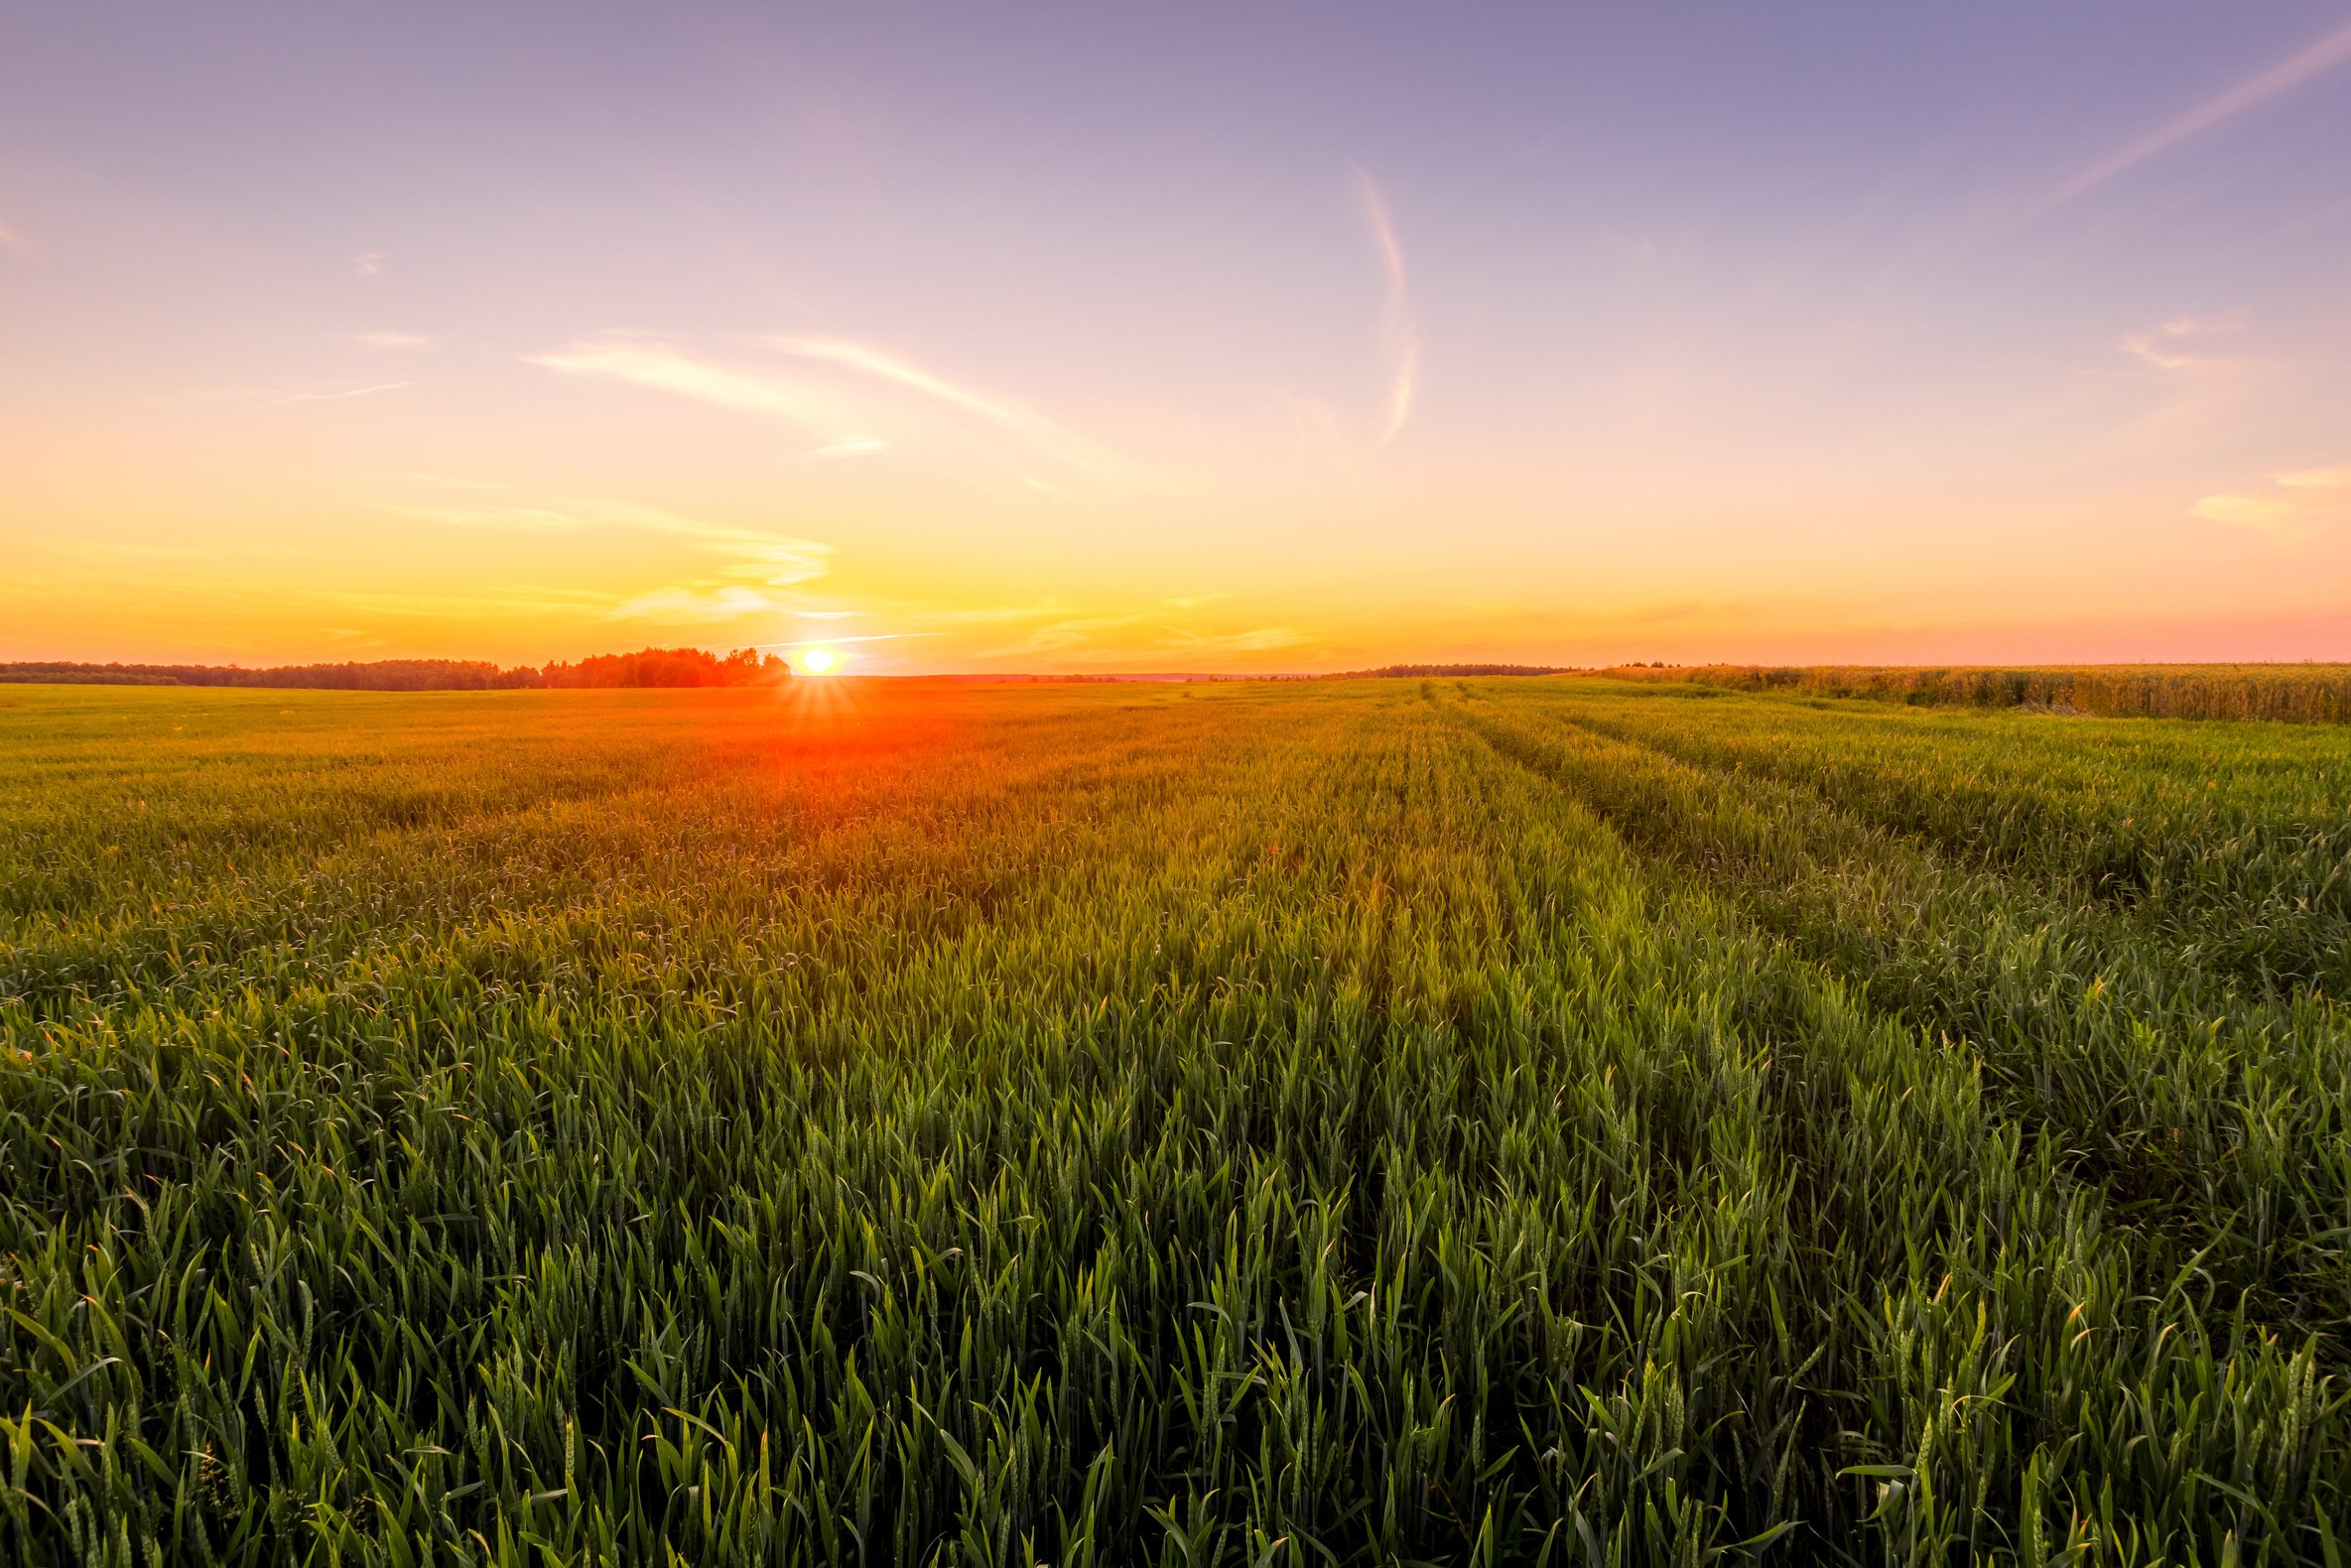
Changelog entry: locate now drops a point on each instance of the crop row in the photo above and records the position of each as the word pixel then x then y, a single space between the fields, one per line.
pixel 1371 1123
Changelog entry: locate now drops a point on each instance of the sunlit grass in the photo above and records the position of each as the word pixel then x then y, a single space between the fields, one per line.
pixel 1438 1120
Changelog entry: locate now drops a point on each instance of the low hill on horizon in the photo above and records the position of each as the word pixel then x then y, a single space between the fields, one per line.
pixel 647 667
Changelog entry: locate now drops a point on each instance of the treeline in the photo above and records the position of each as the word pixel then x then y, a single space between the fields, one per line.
pixel 381 675
pixel 669 667
pixel 2307 694
pixel 646 667
pixel 1404 670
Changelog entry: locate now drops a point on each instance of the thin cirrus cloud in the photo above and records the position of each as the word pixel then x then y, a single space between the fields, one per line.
pixel 1052 627
pixel 843 642
pixel 11 241
pixel 886 367
pixel 1084 638
pixel 2305 64
pixel 773 560
pixel 769 561
pixel 2292 503
pixel 1399 328
pixel 793 400
pixel 686 603
pixel 2165 347
pixel 1046 435
pixel 842 391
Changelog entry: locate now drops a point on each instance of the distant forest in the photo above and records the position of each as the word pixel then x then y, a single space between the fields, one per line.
pixel 1405 671
pixel 646 667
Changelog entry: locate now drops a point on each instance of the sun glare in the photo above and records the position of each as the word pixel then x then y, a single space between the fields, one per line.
pixel 819 660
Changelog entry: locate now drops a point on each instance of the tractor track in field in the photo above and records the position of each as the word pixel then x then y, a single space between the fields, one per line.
pixel 1407 1129
pixel 2119 892
pixel 2148 1185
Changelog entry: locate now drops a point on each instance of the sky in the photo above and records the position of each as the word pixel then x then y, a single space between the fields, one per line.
pixel 1275 338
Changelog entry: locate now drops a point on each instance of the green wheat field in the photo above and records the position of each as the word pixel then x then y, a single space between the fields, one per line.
pixel 1545 1121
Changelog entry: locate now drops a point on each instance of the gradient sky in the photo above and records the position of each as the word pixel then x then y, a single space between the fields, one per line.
pixel 1177 337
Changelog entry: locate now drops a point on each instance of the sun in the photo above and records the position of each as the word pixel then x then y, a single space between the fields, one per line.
pixel 819 660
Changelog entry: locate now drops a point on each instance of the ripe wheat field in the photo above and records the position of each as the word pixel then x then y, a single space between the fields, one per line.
pixel 1540 1121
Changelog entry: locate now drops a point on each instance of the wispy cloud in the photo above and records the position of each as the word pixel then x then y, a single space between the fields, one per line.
pixel 1399 330
pixel 667 369
pixel 730 602
pixel 829 641
pixel 394 343
pixel 2144 345
pixel 815 397
pixel 2292 503
pixel 1313 422
pixel 1132 640
pixel 1133 636
pixel 368 263
pixel 2304 66
pixel 1255 639
pixel 658 365
pixel 1047 436
pixel 887 367
pixel 776 560
pixel 12 241
pixel 2165 347
pixel 757 573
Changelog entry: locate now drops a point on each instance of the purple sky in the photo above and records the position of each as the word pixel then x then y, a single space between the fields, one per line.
pixel 1113 337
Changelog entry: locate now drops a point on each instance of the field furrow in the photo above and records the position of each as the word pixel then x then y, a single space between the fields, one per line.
pixel 1282 1124
pixel 2232 843
pixel 2219 1120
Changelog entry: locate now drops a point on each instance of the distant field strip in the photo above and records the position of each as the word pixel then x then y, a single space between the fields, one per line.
pixel 2305 694
pixel 2216 1102
pixel 1498 1120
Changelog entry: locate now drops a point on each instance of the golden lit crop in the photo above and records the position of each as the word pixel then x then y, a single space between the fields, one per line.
pixel 1539 1121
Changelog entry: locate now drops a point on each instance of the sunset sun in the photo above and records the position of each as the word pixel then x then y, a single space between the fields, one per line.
pixel 1597 800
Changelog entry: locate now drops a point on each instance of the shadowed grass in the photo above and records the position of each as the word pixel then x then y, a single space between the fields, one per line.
pixel 1101 1124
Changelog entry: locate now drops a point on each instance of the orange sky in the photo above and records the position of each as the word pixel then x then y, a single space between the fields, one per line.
pixel 976 344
